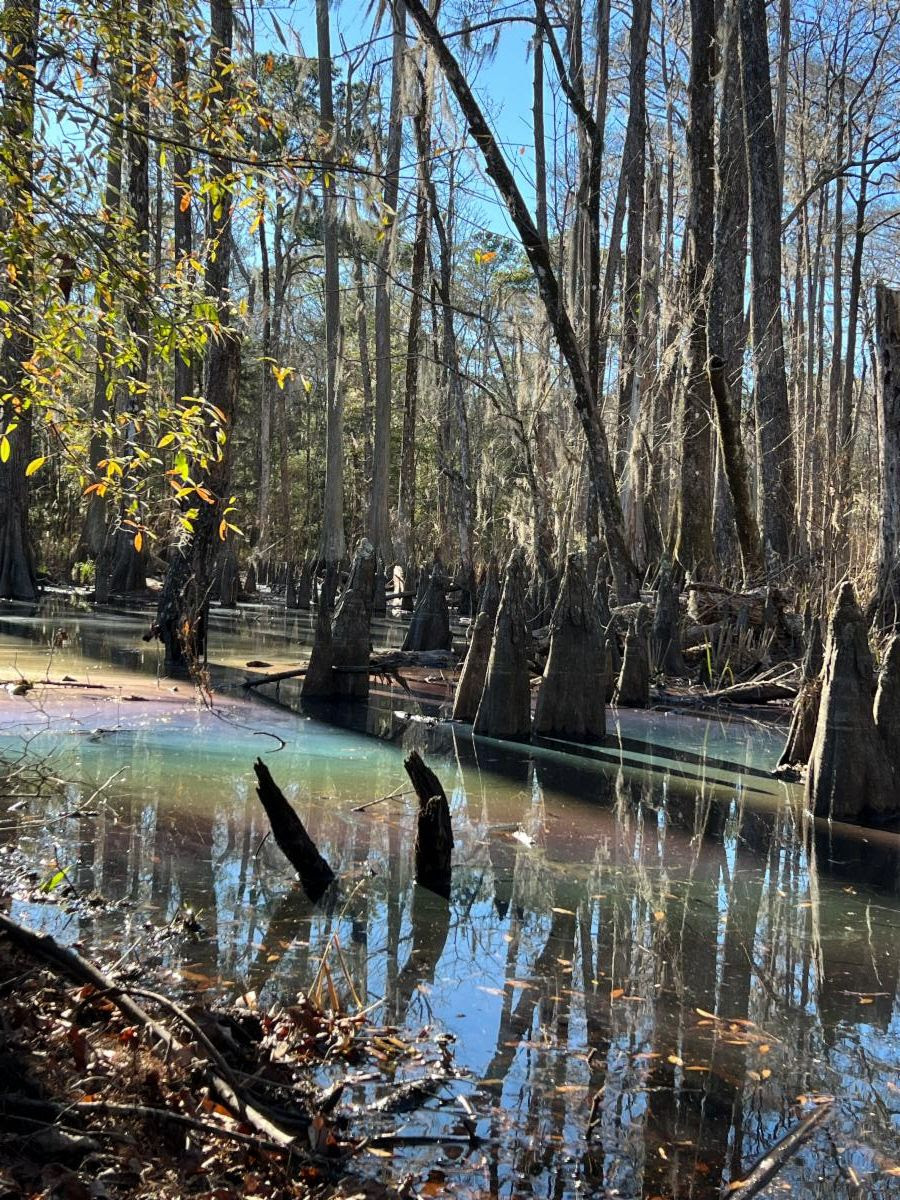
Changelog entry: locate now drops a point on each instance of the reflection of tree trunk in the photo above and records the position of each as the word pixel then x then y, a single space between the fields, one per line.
pixel 430 917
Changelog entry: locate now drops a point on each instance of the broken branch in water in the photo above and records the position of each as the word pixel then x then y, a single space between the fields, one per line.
pixel 291 837
pixel 773 1160
pixel 434 834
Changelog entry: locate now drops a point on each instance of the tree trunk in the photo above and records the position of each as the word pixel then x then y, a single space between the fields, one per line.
pixel 537 251
pixel 184 601
pixel 504 710
pixel 333 546
pixel 693 507
pixel 886 603
pixel 777 496
pixel 20 21
pixel 96 518
pixel 726 303
pixel 379 529
pixel 128 572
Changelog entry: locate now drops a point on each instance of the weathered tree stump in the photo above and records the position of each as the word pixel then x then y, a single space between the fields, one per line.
pixel 805 716
pixel 504 710
pixel 571 701
pixel 665 636
pixel 434 833
pixel 429 628
pixel 291 836
pixel 350 635
pixel 849 772
pixel 472 676
pixel 887 708
pixel 633 687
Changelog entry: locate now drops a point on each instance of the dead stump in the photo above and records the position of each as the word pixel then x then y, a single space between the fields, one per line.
pixel 633 687
pixel 350 635
pixel 471 679
pixel 429 628
pixel 504 710
pixel 849 772
pixel 434 833
pixel 805 716
pixel 571 701
pixel 291 837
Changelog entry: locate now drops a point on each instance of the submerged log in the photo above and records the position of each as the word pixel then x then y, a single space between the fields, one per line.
pixel 633 687
pixel 429 628
pixel 887 707
pixel 350 635
pixel 571 701
pixel 291 836
pixel 665 636
pixel 472 677
pixel 849 772
pixel 805 716
pixel 434 833
pixel 504 710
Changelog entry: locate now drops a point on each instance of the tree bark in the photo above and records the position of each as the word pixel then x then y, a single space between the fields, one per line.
pixel 379 529
pixel 20 24
pixel 886 602
pixel 777 498
pixel 333 545
pixel 693 506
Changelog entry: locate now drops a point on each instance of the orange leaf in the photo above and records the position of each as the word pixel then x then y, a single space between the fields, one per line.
pixel 185 202
pixel 223 529
pixel 138 541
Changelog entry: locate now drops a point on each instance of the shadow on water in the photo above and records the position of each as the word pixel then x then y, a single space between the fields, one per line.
pixel 649 960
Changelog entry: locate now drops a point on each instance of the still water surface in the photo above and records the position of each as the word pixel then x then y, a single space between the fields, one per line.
pixel 647 963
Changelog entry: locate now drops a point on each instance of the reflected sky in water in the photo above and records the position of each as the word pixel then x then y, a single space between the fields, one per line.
pixel 648 961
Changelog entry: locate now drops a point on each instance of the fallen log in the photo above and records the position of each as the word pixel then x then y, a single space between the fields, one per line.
pixel 80 970
pixel 434 832
pixel 753 693
pixel 385 663
pixel 291 837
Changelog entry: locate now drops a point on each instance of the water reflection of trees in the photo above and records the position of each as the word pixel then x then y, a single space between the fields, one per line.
pixel 675 968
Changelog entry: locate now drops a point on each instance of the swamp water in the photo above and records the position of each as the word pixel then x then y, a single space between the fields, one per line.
pixel 650 969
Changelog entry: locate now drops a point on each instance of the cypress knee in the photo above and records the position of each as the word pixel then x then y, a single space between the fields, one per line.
pixel 505 707
pixel 633 688
pixel 471 679
pixel 806 707
pixel 849 772
pixel 571 701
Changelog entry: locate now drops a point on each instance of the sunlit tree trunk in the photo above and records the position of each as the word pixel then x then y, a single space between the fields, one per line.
pixel 333 546
pixel 693 506
pixel 379 513
pixel 777 492
pixel 20 30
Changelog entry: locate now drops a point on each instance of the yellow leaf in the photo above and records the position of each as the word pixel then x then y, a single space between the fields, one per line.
pixel 34 465
pixel 4 449
pixel 138 541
